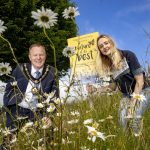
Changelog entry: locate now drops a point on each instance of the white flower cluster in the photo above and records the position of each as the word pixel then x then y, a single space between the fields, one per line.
pixel 50 102
pixel 47 18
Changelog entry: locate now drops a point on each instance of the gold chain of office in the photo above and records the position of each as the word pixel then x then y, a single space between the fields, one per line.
pixel 36 81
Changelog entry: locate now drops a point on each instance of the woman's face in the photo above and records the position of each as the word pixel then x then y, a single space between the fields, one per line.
pixel 105 46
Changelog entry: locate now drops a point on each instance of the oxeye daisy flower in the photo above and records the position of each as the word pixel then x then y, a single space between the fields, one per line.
pixel 68 51
pixel 26 126
pixel 14 83
pixel 139 97
pixel 29 124
pixel 5 69
pixel 2 28
pixel 6 132
pixel 58 101
pixel 88 121
pixel 58 114
pixel 70 12
pixel 51 108
pixel 40 105
pixel 73 121
pixel 49 96
pixel 93 134
pixel 44 18
pixel 75 113
pixel 95 125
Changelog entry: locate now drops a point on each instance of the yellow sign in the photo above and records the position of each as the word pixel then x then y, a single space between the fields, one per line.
pixel 83 63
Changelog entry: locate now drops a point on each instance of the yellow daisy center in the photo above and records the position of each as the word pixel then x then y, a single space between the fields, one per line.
pixel 138 97
pixel 44 18
pixel 93 133
pixel 71 14
pixel 3 69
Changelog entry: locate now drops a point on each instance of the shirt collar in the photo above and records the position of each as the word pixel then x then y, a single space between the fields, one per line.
pixel 33 70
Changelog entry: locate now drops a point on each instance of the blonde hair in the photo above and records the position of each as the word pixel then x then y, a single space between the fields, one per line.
pixel 104 64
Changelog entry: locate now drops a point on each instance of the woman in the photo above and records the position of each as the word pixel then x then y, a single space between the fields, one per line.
pixel 128 75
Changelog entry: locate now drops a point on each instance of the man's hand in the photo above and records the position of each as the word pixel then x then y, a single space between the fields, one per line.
pixel 46 122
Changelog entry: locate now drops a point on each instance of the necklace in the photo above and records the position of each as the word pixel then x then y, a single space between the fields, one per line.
pixel 30 77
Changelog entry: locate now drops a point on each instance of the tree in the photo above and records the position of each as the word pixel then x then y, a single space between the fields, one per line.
pixel 21 31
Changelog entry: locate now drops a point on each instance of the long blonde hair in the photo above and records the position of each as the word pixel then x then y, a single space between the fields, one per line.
pixel 104 64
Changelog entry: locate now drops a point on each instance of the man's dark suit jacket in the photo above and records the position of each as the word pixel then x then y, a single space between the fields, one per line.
pixel 12 96
pixel 48 84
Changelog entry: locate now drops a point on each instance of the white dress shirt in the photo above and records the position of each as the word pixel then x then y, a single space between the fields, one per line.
pixel 27 100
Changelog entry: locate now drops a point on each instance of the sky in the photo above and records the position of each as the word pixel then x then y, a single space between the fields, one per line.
pixel 126 21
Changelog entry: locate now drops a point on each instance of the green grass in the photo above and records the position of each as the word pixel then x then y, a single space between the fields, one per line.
pixel 103 106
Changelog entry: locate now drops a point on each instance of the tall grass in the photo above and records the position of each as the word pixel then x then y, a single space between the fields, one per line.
pixel 74 134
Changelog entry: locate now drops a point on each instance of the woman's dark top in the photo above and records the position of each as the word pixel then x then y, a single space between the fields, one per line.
pixel 125 76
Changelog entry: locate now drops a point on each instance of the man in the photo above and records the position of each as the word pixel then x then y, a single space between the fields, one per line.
pixel 20 100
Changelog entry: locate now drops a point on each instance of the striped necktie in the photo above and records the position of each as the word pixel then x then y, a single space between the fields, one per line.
pixel 37 74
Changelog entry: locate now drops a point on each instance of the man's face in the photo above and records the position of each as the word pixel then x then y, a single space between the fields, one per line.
pixel 37 56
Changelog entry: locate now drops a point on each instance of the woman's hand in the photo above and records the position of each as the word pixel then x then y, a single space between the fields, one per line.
pixel 90 88
pixel 132 102
pixel 131 106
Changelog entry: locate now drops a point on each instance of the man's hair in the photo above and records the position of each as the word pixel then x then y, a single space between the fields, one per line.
pixel 36 45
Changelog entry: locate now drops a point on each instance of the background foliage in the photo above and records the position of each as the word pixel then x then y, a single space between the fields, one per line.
pixel 21 31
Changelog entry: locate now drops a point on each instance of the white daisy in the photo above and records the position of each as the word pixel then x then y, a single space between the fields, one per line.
pixel 49 96
pixel 6 132
pixel 73 121
pixel 93 134
pixel 26 126
pixel 2 28
pixel 139 97
pixel 22 117
pixel 58 101
pixel 68 51
pixel 39 105
pixel 14 83
pixel 5 69
pixel 101 120
pixel 29 124
pixel 70 12
pixel 51 108
pixel 95 125
pixel 88 121
pixel 58 114
pixel 75 113
pixel 106 78
pixel 44 18
pixel 104 84
pixel 109 117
